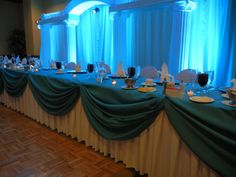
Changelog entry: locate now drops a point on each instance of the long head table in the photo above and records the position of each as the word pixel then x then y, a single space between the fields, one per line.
pixel 155 134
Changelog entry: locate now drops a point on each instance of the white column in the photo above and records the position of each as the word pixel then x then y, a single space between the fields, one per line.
pixel 71 40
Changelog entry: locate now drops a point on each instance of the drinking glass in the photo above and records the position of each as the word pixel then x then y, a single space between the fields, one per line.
pixel 131 71
pixel 202 79
pixel 90 68
pixel 137 72
pixel 210 77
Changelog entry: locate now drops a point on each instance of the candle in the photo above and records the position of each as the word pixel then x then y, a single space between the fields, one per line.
pixel 113 82
pixel 190 93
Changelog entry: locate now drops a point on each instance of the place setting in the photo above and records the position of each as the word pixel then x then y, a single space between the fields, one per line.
pixel 120 73
pixel 201 93
pixel 133 75
pixel 130 78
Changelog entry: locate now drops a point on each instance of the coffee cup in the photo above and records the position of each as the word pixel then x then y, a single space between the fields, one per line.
pixel 130 82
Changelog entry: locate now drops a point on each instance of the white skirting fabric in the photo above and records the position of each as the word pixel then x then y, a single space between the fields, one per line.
pixel 157 151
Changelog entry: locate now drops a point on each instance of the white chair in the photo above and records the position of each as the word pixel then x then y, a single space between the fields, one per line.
pixel 105 66
pixel 187 75
pixel 149 72
pixel 70 65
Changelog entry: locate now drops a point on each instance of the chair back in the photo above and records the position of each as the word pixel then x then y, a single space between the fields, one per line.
pixel 105 66
pixel 149 72
pixel 187 75
pixel 70 65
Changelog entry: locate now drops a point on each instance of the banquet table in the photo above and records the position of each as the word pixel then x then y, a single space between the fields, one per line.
pixel 156 134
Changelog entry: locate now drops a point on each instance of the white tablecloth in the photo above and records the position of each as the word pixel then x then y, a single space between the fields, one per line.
pixel 157 151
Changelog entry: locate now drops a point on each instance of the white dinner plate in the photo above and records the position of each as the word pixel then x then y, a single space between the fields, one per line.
pixel 149 85
pixel 201 99
pixel 228 103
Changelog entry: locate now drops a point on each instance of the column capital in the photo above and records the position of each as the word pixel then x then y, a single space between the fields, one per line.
pixel 71 23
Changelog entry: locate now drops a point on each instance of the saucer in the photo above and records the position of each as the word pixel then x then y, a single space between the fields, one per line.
pixel 201 99
pixel 60 72
pixel 228 103
pixel 225 95
pixel 149 85
pixel 129 88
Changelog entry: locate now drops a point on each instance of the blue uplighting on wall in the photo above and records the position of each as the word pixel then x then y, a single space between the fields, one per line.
pixel 203 41
pixel 184 34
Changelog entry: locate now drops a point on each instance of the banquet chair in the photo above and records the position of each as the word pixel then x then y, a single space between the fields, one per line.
pixel 149 72
pixel 105 66
pixel 187 75
pixel 70 65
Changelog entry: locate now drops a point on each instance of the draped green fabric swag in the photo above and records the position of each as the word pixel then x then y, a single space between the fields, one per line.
pixel 14 82
pixel 119 118
pixel 209 131
pixel 55 96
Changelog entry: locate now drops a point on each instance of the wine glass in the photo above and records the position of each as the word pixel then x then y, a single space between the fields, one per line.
pixel 131 71
pixel 90 68
pixel 210 78
pixel 58 65
pixel 202 79
pixel 137 72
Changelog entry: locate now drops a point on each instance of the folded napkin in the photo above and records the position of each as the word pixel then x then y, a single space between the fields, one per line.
pixel 78 67
pixel 165 74
pixel 53 65
pixel 120 71
pixel 17 60
pixel 24 61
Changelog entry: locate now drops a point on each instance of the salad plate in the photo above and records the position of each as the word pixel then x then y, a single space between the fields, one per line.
pixel 201 99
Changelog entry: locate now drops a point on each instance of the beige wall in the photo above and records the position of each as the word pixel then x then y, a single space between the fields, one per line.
pixel 54 5
pixel 11 17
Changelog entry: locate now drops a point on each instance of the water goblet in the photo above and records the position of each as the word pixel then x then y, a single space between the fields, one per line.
pixel 131 71
pixel 58 65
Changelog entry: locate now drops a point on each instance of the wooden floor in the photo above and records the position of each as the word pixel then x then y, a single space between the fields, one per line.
pixel 28 149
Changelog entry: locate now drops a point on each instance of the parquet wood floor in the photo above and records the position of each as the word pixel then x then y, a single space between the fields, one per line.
pixel 28 149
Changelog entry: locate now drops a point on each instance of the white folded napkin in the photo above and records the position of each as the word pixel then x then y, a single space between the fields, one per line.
pixel 24 61
pixel 53 65
pixel 165 74
pixel 78 67
pixel 17 60
pixel 120 71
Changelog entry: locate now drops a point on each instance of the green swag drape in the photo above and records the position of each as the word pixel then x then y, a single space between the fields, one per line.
pixel 55 96
pixel 119 117
pixel 14 82
pixel 208 130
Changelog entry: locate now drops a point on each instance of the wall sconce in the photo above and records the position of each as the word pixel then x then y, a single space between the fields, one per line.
pixel 96 10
